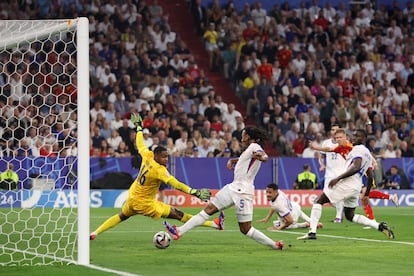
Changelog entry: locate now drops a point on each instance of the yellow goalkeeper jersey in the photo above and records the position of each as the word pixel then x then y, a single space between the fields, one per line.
pixel 151 175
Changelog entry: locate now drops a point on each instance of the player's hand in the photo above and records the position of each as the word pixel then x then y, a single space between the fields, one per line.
pixel 321 168
pixel 203 194
pixel 311 145
pixel 231 163
pixel 137 121
pixel 333 182
pixel 263 220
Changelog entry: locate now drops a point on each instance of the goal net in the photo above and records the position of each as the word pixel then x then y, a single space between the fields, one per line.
pixel 44 89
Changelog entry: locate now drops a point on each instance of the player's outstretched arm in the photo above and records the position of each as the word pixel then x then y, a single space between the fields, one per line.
pixel 313 146
pixel 139 138
pixel 268 216
pixel 203 194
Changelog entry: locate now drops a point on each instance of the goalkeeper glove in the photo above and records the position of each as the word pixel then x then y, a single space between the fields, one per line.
pixel 137 121
pixel 203 194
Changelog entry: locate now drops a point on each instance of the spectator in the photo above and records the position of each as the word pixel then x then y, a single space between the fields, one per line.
pixel 205 147
pixel 393 179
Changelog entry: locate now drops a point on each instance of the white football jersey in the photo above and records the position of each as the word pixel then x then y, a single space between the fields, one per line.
pixel 334 162
pixel 246 170
pixel 358 151
pixel 284 206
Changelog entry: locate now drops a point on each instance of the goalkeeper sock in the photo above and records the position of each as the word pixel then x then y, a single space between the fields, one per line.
pixel 378 194
pixel 368 212
pixel 208 223
pixel 261 238
pixel 196 220
pixel 365 221
pixel 109 223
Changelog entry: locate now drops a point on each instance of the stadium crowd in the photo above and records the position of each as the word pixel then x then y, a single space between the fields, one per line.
pixel 297 69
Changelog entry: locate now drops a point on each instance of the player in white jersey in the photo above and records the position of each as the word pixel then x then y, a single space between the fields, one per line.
pixel 289 212
pixel 239 193
pixel 347 186
pixel 333 164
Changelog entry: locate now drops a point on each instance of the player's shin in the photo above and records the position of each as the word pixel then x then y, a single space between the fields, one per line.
pixel 315 217
pixel 196 220
pixel 261 238
pixel 365 221
pixel 378 194
pixel 109 223
pixel 369 212
pixel 209 223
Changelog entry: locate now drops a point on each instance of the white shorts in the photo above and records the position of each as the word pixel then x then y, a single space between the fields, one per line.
pixel 343 193
pixel 225 198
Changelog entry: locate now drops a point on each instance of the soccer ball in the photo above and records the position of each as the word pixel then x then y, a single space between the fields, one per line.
pixel 161 240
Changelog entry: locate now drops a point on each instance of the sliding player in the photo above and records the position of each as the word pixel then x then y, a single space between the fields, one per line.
pixel 289 212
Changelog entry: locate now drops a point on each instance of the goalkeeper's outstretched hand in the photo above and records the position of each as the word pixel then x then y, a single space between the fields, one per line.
pixel 137 121
pixel 203 194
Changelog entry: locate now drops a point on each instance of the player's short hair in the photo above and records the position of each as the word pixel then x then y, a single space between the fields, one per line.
pixel 273 186
pixel 340 130
pixel 159 150
pixel 362 131
pixel 335 125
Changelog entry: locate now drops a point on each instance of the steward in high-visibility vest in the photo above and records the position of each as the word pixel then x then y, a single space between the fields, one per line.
pixel 306 180
pixel 8 178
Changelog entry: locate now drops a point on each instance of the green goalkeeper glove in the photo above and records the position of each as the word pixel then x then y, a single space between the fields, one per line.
pixel 137 121
pixel 203 194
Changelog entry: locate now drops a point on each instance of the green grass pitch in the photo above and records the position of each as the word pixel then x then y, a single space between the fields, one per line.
pixel 341 249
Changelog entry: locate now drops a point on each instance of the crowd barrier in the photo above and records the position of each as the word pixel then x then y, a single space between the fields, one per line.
pixel 197 172
pixel 116 198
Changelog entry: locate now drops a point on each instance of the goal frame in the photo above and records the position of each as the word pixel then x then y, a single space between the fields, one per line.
pixel 81 25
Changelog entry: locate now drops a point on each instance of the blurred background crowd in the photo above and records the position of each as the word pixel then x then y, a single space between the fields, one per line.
pixel 297 70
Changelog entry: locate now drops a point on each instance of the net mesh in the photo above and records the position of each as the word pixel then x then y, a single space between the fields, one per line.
pixel 38 138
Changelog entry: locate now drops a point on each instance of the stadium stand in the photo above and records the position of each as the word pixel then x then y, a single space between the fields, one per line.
pixel 298 69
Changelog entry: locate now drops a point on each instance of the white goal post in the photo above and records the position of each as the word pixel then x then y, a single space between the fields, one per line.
pixel 44 64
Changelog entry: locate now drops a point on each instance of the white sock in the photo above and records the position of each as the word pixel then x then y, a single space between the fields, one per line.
pixel 365 221
pixel 339 206
pixel 196 220
pixel 304 216
pixel 297 225
pixel 261 238
pixel 315 217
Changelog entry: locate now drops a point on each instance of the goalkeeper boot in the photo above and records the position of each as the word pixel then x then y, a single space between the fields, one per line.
pixel 279 245
pixel 384 228
pixel 92 236
pixel 173 230
pixel 219 221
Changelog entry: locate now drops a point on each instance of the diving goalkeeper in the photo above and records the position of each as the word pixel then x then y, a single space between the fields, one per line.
pixel 141 195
